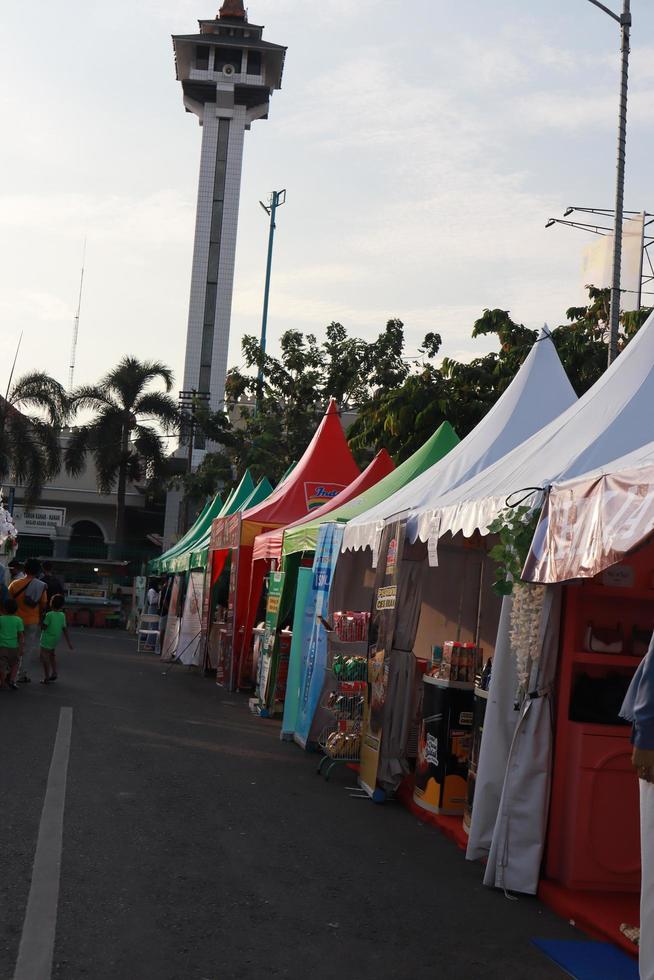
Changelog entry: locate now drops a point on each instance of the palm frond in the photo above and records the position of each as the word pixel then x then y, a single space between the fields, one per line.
pixel 162 408
pixel 37 390
pixel 91 398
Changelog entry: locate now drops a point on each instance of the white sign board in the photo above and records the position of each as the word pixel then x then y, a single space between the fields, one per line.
pixel 39 520
pixel 597 263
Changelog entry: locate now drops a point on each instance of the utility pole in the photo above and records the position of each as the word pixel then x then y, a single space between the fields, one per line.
pixel 73 349
pixel 277 198
pixel 624 20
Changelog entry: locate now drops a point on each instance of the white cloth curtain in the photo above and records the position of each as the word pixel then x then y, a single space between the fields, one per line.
pixel 499 727
pixel 516 851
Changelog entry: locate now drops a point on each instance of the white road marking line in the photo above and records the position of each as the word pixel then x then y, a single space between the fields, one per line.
pixel 38 937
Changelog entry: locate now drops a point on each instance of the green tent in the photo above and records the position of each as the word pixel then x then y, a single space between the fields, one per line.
pixel 305 537
pixel 198 555
pixel 235 500
pixel 182 559
pixel 189 542
pixel 210 510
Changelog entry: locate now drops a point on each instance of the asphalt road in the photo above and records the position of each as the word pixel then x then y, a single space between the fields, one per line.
pixel 197 846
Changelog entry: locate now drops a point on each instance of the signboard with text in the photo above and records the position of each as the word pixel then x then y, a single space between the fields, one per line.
pixel 39 520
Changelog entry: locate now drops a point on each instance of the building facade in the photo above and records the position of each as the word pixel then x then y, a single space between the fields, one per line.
pixel 72 519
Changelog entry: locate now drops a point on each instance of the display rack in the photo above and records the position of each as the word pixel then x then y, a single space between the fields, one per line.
pixel 346 700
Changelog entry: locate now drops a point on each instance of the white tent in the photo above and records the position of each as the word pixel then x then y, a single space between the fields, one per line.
pixel 539 393
pixel 612 418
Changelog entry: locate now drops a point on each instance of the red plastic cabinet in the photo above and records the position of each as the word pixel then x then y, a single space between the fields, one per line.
pixel 593 835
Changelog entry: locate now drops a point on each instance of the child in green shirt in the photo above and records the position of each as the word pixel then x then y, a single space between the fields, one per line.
pixel 54 624
pixel 11 644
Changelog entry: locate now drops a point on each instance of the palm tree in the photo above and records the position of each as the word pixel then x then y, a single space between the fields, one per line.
pixel 30 450
pixel 124 445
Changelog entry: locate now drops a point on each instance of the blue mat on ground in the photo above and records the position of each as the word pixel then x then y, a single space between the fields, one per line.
pixel 589 960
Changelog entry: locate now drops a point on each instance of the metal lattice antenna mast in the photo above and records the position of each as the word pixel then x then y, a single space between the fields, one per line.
pixel 73 349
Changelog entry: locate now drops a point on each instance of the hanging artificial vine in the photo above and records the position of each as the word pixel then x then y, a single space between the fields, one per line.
pixel 515 527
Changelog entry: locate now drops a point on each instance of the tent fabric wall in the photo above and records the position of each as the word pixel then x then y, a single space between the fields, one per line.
pixel 539 392
pixel 499 728
pixel 189 646
pixel 518 842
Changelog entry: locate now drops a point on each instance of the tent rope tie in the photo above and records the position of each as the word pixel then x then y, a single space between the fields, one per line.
pixel 525 492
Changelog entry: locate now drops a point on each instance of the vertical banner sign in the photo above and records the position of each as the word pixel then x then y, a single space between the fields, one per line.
pixel 268 647
pixel 314 652
pixel 382 631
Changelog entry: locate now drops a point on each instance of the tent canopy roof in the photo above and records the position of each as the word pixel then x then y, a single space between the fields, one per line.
pixel 197 557
pixel 437 446
pixel 269 545
pixel 538 393
pixel 611 419
pixel 202 522
pixel 326 468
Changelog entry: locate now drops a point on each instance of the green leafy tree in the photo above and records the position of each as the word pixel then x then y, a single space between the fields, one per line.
pixel 124 435
pixel 31 417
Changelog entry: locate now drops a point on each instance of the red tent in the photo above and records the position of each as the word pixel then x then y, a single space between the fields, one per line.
pixel 326 468
pixel 269 545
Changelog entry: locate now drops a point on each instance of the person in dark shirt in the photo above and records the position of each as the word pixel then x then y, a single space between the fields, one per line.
pixel 53 583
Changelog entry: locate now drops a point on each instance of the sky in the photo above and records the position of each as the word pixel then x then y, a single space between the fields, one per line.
pixel 423 145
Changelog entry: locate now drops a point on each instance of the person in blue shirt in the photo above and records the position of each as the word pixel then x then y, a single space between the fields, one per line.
pixel 638 708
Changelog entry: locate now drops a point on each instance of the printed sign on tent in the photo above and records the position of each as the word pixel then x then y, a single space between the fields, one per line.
pixel 317 494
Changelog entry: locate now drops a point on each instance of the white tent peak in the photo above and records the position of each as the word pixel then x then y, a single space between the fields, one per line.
pixel 538 393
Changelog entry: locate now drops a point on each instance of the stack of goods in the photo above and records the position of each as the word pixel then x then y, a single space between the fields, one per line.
pixel 350 668
pixel 351 627
pixel 458 662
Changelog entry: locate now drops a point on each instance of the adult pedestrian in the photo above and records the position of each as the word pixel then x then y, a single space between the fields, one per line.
pixel 31 597
pixel 53 583
pixel 15 570
pixel 638 708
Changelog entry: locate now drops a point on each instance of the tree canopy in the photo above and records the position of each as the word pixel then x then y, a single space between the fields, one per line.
pixel 398 401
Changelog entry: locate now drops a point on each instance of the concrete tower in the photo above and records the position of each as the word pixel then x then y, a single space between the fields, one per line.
pixel 228 74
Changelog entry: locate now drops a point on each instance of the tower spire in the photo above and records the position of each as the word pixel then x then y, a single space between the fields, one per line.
pixel 233 9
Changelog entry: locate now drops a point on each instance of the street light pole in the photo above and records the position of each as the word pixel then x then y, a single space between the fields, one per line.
pixel 624 20
pixel 277 198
